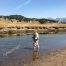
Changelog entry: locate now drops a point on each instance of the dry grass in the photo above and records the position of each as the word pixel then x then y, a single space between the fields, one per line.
pixel 25 24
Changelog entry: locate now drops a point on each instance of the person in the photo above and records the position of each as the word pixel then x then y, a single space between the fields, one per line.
pixel 35 40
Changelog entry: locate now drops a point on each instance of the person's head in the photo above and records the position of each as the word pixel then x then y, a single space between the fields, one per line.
pixel 35 31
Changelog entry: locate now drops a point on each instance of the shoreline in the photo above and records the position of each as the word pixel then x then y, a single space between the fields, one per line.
pixel 26 33
pixel 25 28
pixel 55 58
pixel 30 31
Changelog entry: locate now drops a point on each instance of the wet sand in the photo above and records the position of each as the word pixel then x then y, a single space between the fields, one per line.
pixel 57 58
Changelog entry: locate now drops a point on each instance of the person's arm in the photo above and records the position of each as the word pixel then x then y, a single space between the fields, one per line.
pixel 37 36
pixel 33 37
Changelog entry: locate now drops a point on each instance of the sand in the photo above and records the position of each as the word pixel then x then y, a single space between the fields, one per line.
pixel 57 58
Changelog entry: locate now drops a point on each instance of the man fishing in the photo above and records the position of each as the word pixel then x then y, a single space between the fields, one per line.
pixel 35 41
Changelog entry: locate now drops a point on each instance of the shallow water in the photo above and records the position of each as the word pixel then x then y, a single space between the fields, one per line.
pixel 16 51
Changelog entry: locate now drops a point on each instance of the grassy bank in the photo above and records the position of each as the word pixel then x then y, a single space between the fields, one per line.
pixel 30 25
pixel 28 28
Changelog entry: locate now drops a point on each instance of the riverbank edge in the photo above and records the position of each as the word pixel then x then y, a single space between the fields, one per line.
pixel 30 31
pixel 11 33
pixel 55 58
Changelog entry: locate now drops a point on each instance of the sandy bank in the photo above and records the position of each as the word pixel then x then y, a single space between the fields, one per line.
pixel 57 58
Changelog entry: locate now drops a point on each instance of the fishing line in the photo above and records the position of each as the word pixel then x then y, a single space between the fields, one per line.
pixel 13 49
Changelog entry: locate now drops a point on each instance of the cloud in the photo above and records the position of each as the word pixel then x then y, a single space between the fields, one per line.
pixel 22 5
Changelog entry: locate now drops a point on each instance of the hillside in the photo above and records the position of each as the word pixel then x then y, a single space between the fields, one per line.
pixel 20 18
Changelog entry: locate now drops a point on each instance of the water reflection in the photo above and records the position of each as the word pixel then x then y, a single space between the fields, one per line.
pixel 35 55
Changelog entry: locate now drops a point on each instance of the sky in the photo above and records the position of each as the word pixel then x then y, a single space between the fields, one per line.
pixel 34 8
